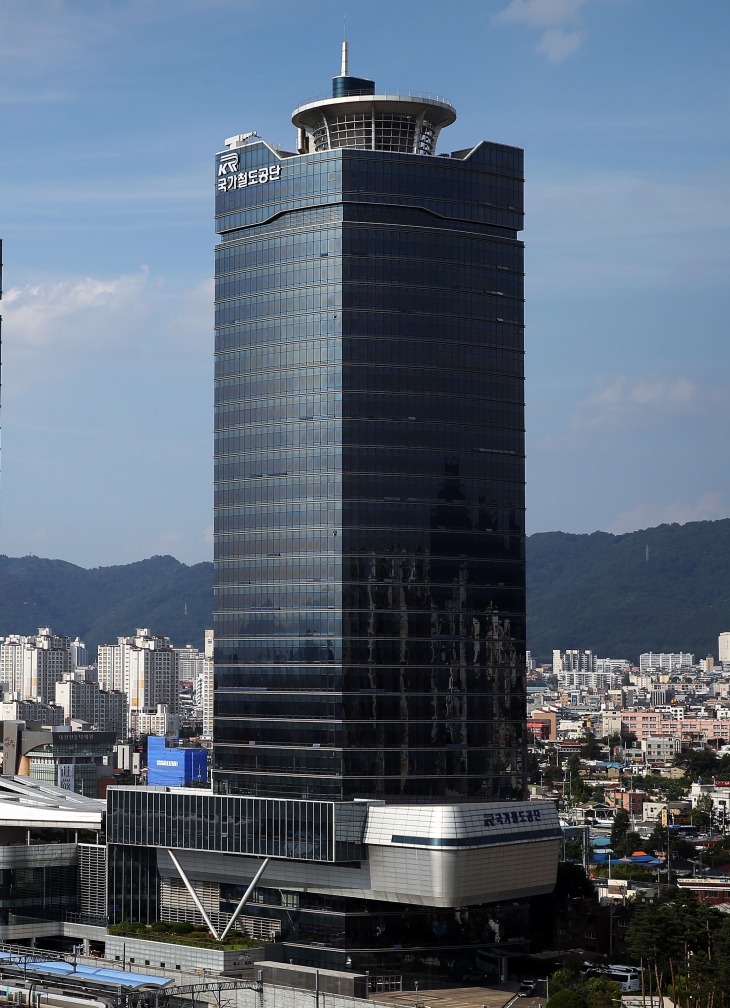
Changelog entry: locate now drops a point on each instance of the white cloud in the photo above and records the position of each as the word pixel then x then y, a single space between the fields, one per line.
pixel 556 16
pixel 709 507
pixel 557 44
pixel 63 326
pixel 641 229
pixel 541 13
pixel 625 400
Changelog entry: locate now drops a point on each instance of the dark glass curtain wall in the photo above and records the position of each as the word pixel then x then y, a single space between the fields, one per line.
pixel 370 574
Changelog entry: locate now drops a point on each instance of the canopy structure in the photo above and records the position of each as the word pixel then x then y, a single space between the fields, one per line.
pixel 92 974
pixel 27 802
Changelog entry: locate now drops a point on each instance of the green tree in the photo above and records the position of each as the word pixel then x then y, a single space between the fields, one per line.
pixel 657 839
pixel 600 992
pixel 573 850
pixel 697 763
pixel 620 828
pixel 702 813
pixel 654 938
pixel 683 848
pixel 628 843
pixel 590 748
pixel 533 768
pixel 564 979
pixel 551 773
pixel 567 999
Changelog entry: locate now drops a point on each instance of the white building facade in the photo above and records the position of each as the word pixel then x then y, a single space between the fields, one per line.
pixel 723 647
pixel 32 665
pixel 145 668
pixel 665 662
pixel 204 687
pixel 81 700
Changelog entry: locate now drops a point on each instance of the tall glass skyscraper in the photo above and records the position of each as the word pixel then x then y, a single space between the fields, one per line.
pixel 370 573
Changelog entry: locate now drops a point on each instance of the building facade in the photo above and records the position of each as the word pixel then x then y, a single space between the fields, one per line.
pixel 665 661
pixel 175 766
pixel 189 663
pixel 369 703
pixel 85 701
pixel 74 760
pixel 30 666
pixel 204 686
pixel 573 660
pixel 723 647
pixel 370 579
pixel 144 667
pixel 33 711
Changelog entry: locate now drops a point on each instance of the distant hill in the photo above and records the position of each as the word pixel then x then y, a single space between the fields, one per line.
pixel 104 603
pixel 599 591
pixel 587 591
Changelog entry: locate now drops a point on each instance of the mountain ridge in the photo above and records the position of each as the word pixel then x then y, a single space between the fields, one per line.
pixel 101 603
pixel 593 590
pixel 598 590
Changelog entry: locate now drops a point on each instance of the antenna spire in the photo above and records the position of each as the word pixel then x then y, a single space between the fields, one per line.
pixel 343 69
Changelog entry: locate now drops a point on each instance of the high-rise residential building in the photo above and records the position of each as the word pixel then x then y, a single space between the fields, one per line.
pixel 189 663
pixel 665 662
pixel 144 667
pixel 83 700
pixel 43 714
pixel 573 661
pixel 79 653
pixel 204 686
pixel 370 582
pixel 160 721
pixel 723 647
pixel 612 666
pixel 30 666
pixel 593 680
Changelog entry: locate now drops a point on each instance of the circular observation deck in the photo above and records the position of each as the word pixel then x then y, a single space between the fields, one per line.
pixel 355 116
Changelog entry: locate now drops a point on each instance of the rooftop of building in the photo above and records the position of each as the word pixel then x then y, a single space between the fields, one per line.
pixel 27 802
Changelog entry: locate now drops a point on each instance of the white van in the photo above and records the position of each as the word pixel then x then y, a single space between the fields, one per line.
pixel 627 977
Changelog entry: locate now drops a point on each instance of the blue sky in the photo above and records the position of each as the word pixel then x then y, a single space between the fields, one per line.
pixel 111 112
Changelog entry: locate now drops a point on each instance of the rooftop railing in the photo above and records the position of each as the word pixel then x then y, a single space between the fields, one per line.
pixel 381 93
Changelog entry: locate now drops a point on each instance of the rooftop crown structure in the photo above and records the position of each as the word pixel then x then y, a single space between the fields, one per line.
pixel 355 116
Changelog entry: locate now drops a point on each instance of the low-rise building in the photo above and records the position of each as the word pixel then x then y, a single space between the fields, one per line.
pixel 175 766
pixel 74 760
pixel 160 722
pixel 632 801
pixel 660 748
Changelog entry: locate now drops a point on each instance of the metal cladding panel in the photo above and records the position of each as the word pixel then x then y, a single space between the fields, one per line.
pixel 461 855
pixel 451 827
pixel 457 878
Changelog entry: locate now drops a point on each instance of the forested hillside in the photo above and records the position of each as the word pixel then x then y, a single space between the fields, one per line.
pixel 594 591
pixel 600 591
pixel 106 602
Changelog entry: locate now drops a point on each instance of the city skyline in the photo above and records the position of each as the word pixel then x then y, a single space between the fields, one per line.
pixel 620 104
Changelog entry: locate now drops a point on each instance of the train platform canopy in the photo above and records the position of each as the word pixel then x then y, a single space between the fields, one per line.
pixel 91 974
pixel 30 803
